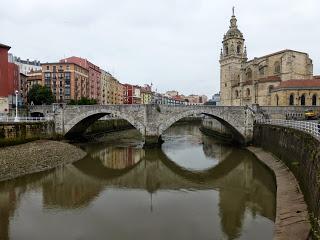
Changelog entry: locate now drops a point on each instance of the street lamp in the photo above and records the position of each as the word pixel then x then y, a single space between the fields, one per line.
pixel 16 119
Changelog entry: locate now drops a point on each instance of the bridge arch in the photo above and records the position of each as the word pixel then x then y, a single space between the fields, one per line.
pixel 78 125
pixel 225 119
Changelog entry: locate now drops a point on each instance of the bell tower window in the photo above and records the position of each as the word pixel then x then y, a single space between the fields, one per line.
pixel 226 50
pixel 238 49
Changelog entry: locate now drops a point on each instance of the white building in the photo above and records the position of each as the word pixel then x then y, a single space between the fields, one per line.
pixel 25 66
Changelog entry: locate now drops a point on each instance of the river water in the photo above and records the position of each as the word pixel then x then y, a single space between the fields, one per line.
pixel 192 188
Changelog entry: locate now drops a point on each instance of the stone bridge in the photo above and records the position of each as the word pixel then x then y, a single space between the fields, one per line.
pixel 150 120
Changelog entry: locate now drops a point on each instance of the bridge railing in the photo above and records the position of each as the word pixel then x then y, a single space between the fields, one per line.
pixel 312 128
pixel 24 119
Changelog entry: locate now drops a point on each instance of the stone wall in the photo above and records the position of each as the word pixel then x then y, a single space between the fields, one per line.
pixel 301 153
pixel 15 133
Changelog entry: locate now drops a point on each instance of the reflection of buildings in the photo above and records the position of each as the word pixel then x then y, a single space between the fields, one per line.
pixel 119 158
pixel 8 201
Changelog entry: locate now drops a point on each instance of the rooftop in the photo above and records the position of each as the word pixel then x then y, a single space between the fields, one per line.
pixel 299 83
pixel 4 46
pixel 278 52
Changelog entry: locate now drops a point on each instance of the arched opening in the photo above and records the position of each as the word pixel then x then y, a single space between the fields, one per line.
pixel 37 114
pixel 291 100
pixel 249 74
pixel 236 135
pixel 277 67
pixel 238 49
pixel 85 125
pixel 314 100
pixel 303 100
pixel 270 88
pixel 261 70
pixel 247 92
pixel 236 94
pixel 226 50
pixel 277 100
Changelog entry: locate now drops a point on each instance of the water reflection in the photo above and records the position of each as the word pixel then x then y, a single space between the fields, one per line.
pixel 233 198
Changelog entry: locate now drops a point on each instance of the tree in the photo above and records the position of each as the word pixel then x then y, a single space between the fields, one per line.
pixel 40 95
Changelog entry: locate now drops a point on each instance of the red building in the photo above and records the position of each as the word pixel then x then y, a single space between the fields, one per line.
pixel 4 83
pixel 9 75
pixel 94 75
pixel 131 94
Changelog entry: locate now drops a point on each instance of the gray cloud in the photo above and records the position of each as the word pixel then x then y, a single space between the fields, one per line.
pixel 174 44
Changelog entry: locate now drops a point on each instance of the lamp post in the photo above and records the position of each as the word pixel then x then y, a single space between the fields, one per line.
pixel 16 119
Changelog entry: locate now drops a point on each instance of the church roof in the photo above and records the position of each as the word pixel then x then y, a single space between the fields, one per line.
pixel 278 52
pixel 299 84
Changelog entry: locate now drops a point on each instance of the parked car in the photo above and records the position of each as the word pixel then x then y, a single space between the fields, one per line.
pixel 310 114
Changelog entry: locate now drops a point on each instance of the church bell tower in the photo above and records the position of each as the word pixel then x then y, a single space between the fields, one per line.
pixel 233 55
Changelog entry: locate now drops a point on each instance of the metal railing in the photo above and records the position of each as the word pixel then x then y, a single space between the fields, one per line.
pixel 312 128
pixel 24 119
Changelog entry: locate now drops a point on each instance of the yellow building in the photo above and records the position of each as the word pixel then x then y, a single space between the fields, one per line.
pixel 262 80
pixel 146 96
pixel 111 89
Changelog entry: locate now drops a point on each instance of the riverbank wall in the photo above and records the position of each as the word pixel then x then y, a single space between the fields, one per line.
pixel 214 128
pixel 20 132
pixel 301 154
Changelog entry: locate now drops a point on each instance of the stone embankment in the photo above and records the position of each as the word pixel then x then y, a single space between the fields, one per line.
pixel 300 152
pixel 292 220
pixel 38 156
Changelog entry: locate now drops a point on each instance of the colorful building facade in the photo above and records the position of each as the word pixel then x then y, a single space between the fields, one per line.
pixel 94 73
pixel 67 81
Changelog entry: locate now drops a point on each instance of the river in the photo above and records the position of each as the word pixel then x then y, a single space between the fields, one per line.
pixel 192 188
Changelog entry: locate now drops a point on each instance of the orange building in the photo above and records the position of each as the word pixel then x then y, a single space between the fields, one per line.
pixel 66 80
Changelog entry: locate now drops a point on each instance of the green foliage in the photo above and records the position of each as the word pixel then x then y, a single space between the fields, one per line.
pixel 40 95
pixel 83 101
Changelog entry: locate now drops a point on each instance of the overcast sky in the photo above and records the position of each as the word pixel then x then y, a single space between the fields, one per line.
pixel 174 44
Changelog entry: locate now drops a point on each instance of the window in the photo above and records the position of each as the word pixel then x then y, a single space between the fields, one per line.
pixel 277 100
pixel 226 50
pixel 67 91
pixel 303 100
pixel 277 67
pixel 291 100
pixel 236 94
pixel 67 75
pixel 249 74
pixel 54 69
pixel 261 70
pixel 238 49
pixel 48 67
pixel 270 88
pixel 314 100
pixel 248 92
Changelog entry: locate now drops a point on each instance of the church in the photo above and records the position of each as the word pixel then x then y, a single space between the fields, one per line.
pixel 282 78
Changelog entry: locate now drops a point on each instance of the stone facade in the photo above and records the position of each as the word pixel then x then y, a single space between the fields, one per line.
pixel 244 82
pixel 150 120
